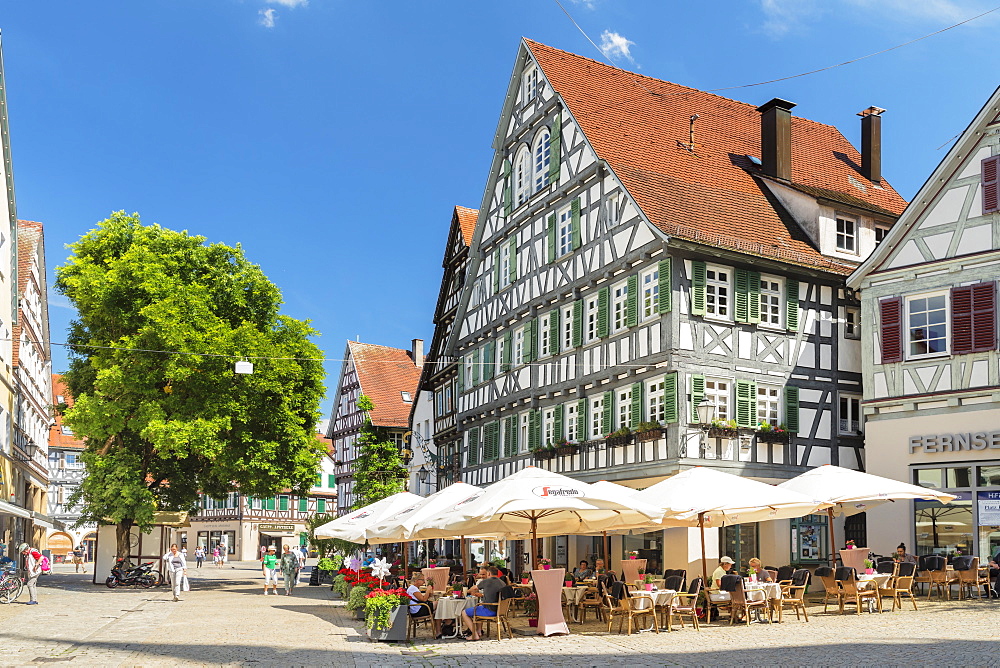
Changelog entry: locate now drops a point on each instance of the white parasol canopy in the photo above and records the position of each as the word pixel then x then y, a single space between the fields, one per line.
pixel 400 526
pixel 354 525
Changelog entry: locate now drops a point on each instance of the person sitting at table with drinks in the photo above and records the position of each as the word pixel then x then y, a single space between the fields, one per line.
pixel 479 576
pixel 725 568
pixel 583 572
pixel 758 570
pixel 901 556
pixel 414 591
pixel 489 589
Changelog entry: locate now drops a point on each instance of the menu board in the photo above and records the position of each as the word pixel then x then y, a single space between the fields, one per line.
pixel 989 508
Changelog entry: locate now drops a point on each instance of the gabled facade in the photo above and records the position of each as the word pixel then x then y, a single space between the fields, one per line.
pixel 930 357
pixel 65 472
pixel 387 376
pixel 642 248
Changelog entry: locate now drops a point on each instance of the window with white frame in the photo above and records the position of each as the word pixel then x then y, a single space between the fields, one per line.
pixel 611 207
pixel 522 176
pixel 718 292
pixel 852 322
pixel 523 431
pixel 504 267
pixel 531 84
pixel 501 344
pixel 650 292
pixel 847 234
pixel 591 311
pixel 549 426
pixel 542 154
pixel 517 356
pixel 596 417
pixel 768 404
pixel 569 421
pixel 717 391
pixel 450 390
pixel 564 232
pixel 566 322
pixel 927 325
pixel 880 232
pixel 850 414
pixel 619 306
pixel 655 401
pixel 468 371
pixel 623 398
pixel 544 336
pixel 771 301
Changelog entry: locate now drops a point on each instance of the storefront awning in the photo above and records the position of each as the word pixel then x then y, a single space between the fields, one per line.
pixel 11 509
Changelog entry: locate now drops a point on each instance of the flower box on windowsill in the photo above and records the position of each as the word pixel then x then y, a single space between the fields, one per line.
pixel 772 436
pixel 723 432
pixel 620 440
pixel 650 434
pixel 568 449
pixel 542 455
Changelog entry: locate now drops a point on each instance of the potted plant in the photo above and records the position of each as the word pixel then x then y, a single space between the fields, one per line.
pixel 719 428
pixel 621 436
pixel 564 447
pixel 633 554
pixel 850 545
pixel 869 567
pixel 768 433
pixel 648 431
pixel 356 600
pixel 545 563
pixel 386 614
pixel 647 579
pixel 531 609
pixel 543 452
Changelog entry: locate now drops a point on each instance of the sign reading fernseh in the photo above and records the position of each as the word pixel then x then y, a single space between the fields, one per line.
pixel 979 440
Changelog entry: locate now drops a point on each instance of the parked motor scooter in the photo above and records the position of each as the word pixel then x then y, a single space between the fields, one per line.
pixel 142 575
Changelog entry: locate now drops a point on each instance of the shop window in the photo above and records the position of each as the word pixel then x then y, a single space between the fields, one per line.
pixel 930 478
pixel 958 477
pixel 944 529
pixel 741 542
pixel 989 476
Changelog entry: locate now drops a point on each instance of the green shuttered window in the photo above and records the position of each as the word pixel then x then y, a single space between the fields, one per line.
pixel 632 301
pixel 578 323
pixel 512 273
pixel 792 305
pixel 747 296
pixel 698 283
pixel 603 299
pixel 554 331
pixel 609 401
pixel 472 458
pixel 697 394
pixel 577 236
pixel 581 420
pixel 510 437
pixel 746 403
pixel 555 147
pixel 534 429
pixel 557 423
pixel 636 416
pixel 663 276
pixel 792 409
pixel 670 413
pixel 508 344
pixel 550 240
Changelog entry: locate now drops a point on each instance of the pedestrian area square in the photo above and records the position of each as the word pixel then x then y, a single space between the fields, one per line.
pixel 225 620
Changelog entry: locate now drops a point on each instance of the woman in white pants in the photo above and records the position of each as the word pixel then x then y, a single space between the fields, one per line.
pixel 176 568
pixel 32 569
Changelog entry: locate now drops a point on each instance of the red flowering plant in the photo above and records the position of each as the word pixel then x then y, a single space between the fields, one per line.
pixel 379 604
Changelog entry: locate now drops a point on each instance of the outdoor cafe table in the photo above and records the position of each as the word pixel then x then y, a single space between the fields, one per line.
pixel 548 586
pixel 660 598
pixel 876 581
pixel 451 608
pixel 573 596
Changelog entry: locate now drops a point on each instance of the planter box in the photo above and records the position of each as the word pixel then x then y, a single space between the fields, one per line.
pixel 396 631
pixel 772 437
pixel 359 613
pixel 614 441
pixel 722 432
pixel 650 435
pixel 567 449
pixel 542 455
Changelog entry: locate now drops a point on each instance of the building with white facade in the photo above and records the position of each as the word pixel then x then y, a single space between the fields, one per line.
pixel 930 353
pixel 66 471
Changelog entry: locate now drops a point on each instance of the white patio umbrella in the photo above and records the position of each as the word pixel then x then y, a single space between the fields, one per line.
pixel 540 503
pixel 702 496
pixel 853 492
pixel 354 525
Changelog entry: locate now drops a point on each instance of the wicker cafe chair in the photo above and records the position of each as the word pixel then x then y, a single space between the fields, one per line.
pixel 425 620
pixel 685 604
pixel 940 578
pixel 675 572
pixel 886 567
pixel 903 586
pixel 637 608
pixel 971 577
pixel 591 600
pixel 728 583
pixel 612 608
pixel 830 585
pixel 500 620
pixel 848 581
pixel 784 575
pixel 743 604
pixel 794 594
pixel 923 575
pixel 674 582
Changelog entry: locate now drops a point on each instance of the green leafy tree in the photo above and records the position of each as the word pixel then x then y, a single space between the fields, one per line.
pixel 162 427
pixel 379 471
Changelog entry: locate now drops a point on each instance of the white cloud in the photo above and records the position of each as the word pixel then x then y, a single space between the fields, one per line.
pixel 291 4
pixel 588 4
pixel 267 17
pixel 613 44
pixel 782 16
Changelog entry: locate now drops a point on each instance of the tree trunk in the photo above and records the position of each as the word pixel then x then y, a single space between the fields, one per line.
pixel 122 533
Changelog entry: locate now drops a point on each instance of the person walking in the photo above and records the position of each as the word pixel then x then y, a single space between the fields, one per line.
pixel 32 568
pixel 302 561
pixel 269 566
pixel 78 559
pixel 177 570
pixel 289 569
pixel 215 556
pixel 199 556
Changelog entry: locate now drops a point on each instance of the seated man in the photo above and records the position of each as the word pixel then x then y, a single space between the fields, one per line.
pixel 762 575
pixel 489 589
pixel 714 588
pixel 416 582
pixel 583 572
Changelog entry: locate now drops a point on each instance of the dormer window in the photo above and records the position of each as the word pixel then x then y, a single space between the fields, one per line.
pixel 543 156
pixel 530 82
pixel 407 398
pixel 880 233
pixel 847 234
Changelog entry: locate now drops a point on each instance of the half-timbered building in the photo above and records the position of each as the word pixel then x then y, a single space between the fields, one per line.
pixel 643 248
pixel 930 359
pixel 66 472
pixel 387 376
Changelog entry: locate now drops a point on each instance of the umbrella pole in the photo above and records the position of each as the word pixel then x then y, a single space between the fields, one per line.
pixel 534 543
pixel 461 540
pixel 704 562
pixel 833 542
pixel 605 550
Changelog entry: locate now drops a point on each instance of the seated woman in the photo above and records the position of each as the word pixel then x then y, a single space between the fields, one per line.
pixel 583 572
pixel 762 575
pixel 416 610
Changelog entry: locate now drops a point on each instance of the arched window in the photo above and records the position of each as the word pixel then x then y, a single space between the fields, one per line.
pixel 522 176
pixel 542 151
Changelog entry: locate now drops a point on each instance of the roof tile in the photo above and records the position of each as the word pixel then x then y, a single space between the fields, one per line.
pixel 384 374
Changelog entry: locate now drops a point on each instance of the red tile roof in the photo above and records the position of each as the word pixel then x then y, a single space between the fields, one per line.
pixel 327 443
pixel 467 221
pixel 29 236
pixel 710 195
pixel 58 439
pixel 384 374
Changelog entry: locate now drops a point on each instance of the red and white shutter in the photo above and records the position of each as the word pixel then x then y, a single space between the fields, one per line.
pixel 991 172
pixel 891 312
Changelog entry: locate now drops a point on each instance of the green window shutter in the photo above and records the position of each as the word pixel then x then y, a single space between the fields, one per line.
pixel 508 344
pixel 581 420
pixel 510 442
pixel 632 305
pixel 477 366
pixel 578 323
pixel 555 145
pixel 742 310
pixel 282 503
pixel 506 189
pixel 319 479
pixel 606 413
pixel 490 438
pixel 534 429
pixel 461 373
pixel 670 412
pixel 697 394
pixel 698 282
pixel 577 235
pixel 664 283
pixel 496 271
pixel 321 506
pixel 488 361
pixel 530 328
pixel 557 422
pixel 473 455
pixel 331 481
pixel 636 404
pixel 303 505
pixel 792 409
pixel 746 401
pixel 603 298
pixel 753 295
pixel 513 258
pixel 270 503
pixel 792 305
pixel 554 331
pixel 551 234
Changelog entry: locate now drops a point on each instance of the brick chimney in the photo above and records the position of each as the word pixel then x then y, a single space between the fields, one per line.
pixel 871 144
pixel 776 138
pixel 417 351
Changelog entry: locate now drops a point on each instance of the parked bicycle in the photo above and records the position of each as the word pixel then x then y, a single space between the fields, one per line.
pixel 11 586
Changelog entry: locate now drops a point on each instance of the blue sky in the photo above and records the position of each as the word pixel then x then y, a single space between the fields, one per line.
pixel 332 139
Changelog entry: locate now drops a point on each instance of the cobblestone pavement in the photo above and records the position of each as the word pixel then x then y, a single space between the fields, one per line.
pixel 225 620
